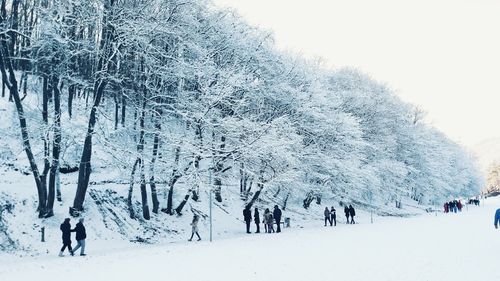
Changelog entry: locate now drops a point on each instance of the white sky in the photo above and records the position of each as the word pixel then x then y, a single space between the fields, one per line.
pixel 443 55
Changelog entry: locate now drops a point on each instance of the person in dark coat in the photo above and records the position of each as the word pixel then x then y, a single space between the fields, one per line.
pixel 352 213
pixel 497 218
pixel 333 216
pixel 346 211
pixel 247 216
pixel 256 218
pixel 66 237
pixel 81 235
pixel 277 218
pixel 327 216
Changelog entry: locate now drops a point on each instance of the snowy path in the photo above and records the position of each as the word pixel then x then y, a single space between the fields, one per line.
pixel 447 247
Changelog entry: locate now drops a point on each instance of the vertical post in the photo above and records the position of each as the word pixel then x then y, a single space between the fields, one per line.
pixel 210 201
pixel 43 233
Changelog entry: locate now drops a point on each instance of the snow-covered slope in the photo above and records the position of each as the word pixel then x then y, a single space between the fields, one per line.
pixel 457 247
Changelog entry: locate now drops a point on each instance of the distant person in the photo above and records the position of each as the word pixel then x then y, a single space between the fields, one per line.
pixel 66 237
pixel 497 218
pixel 256 218
pixel 346 212
pixel 81 235
pixel 247 216
pixel 333 216
pixel 194 228
pixel 445 207
pixel 327 216
pixel 269 221
pixel 459 205
pixel 277 218
pixel 352 213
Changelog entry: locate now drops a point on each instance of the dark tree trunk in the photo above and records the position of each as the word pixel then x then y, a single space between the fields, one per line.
pixel 124 110
pixel 11 83
pixel 117 109
pixel 171 182
pixel 56 148
pixel 104 67
pixel 156 144
pixel 71 95
pixel 260 187
pixel 219 166
pixel 140 151
pixel 131 189
pixel 179 208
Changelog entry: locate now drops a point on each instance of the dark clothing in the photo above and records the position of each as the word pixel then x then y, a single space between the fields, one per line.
pixel 346 211
pixel 256 217
pixel 67 244
pixel 66 232
pixel 352 212
pixel 277 218
pixel 497 218
pixel 80 231
pixel 247 216
pixel 333 217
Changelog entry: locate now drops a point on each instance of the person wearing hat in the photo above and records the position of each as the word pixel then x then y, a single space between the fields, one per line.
pixel 66 237
pixel 81 235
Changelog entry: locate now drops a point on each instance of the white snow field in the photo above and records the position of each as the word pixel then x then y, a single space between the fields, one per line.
pixel 462 246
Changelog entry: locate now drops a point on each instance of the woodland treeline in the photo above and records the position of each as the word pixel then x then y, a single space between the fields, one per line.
pixel 181 89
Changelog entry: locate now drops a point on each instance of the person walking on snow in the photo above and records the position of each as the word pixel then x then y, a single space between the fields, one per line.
pixel 277 218
pixel 66 237
pixel 256 217
pixel 346 211
pixel 446 207
pixel 81 235
pixel 247 216
pixel 497 218
pixel 333 214
pixel 352 212
pixel 327 216
pixel 194 228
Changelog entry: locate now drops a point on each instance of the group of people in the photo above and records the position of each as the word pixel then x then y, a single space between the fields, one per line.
pixel 268 219
pixel 81 235
pixel 453 206
pixel 331 215
pixel 474 201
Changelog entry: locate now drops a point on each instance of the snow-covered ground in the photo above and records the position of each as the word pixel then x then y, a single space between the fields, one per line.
pixel 454 247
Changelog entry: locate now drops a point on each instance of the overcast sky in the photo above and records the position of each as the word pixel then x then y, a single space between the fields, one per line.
pixel 443 55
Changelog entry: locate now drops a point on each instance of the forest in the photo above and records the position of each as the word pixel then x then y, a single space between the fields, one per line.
pixel 175 98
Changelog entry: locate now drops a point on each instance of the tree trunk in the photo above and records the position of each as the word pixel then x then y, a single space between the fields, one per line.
pixel 156 143
pixel 11 83
pixel 171 182
pixel 124 110
pixel 71 95
pixel 56 147
pixel 104 67
pixel 219 166
pixel 131 190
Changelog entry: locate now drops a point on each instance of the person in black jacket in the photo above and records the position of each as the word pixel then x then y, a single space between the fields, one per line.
pixel 352 213
pixel 346 211
pixel 247 216
pixel 66 237
pixel 256 217
pixel 277 217
pixel 81 235
pixel 333 215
